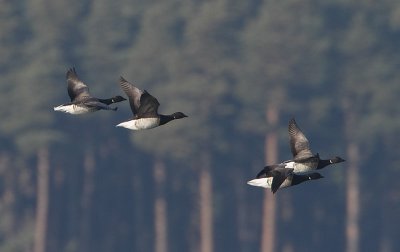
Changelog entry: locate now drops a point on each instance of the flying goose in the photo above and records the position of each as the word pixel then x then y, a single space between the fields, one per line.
pixel 144 107
pixel 291 180
pixel 81 100
pixel 303 161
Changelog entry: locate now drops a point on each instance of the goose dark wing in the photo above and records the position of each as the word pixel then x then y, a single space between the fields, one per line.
pixel 279 177
pixel 299 144
pixel 268 171
pixel 134 94
pixel 76 88
pixel 148 105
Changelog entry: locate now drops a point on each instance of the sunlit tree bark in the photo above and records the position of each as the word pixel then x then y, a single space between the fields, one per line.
pixel 206 213
pixel 352 182
pixel 269 205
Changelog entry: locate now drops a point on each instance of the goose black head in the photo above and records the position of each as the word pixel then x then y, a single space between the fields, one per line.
pixel 178 115
pixel 336 160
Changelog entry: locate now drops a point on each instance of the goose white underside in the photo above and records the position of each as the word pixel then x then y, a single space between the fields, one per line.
pixel 261 182
pixel 73 109
pixel 140 124
pixel 267 182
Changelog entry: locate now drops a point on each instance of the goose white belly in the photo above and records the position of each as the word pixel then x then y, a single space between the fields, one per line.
pixel 267 182
pixel 73 109
pixel 141 123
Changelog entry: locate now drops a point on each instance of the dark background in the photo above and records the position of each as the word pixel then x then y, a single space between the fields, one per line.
pixel 77 183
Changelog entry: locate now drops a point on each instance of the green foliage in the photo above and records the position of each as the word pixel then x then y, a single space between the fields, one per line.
pixel 19 240
pixel 282 52
pixel 178 56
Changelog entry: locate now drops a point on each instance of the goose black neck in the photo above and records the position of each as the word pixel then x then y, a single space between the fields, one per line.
pixel 166 118
pixel 323 162
pixel 297 179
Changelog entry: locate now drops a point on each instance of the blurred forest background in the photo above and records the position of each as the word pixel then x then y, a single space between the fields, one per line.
pixel 240 70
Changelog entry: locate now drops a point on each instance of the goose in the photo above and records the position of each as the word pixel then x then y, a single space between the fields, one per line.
pixel 81 100
pixel 291 180
pixel 144 107
pixel 303 161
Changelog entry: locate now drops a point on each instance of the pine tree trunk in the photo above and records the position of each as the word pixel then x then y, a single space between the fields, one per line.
pixel 271 156
pixel 352 193
pixel 160 208
pixel 353 208
pixel 206 218
pixel 42 204
pixel 89 165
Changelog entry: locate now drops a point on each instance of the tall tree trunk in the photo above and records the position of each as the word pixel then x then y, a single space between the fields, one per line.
pixel 89 165
pixel 206 218
pixel 42 203
pixel 352 193
pixel 353 208
pixel 160 208
pixel 271 156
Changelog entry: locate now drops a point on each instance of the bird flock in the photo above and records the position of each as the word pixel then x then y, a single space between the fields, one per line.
pixel 144 107
pixel 297 170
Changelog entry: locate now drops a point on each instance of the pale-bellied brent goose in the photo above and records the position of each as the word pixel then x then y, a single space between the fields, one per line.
pixel 145 109
pixel 81 100
pixel 303 161
pixel 291 180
